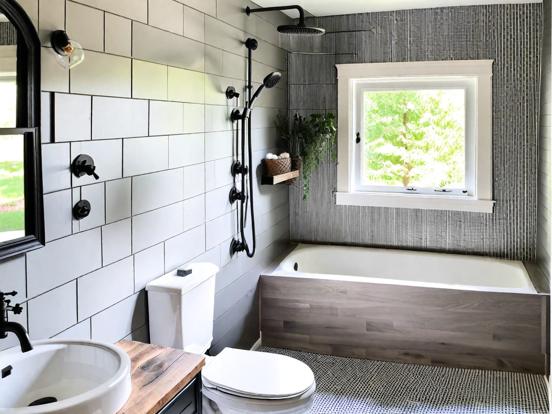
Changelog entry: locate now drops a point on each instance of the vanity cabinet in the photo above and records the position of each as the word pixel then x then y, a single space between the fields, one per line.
pixel 187 401
pixel 164 380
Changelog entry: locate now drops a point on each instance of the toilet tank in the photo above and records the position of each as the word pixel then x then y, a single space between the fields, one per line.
pixel 181 309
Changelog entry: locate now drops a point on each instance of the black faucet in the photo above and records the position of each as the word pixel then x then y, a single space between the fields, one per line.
pixel 13 327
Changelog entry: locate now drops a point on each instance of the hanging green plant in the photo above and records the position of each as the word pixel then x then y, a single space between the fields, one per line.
pixel 311 138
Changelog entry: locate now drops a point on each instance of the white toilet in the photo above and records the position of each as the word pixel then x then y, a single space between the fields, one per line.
pixel 181 314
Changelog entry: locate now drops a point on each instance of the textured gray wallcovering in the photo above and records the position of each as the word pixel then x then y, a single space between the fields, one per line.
pixel 8 34
pixel 509 34
pixel 545 134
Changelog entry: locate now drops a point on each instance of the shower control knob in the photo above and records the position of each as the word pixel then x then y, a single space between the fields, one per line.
pixel 236 115
pixel 251 43
pixel 238 168
pixel 236 195
pixel 231 93
pixel 84 165
pixel 237 246
pixel 82 209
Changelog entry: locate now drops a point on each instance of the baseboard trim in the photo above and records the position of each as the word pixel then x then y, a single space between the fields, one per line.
pixel 258 343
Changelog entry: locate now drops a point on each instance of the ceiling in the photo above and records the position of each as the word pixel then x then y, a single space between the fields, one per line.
pixel 334 7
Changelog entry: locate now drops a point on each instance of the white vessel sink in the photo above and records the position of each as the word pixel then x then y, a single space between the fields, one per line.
pixel 83 377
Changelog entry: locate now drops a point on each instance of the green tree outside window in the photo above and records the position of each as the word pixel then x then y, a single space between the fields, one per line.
pixel 414 138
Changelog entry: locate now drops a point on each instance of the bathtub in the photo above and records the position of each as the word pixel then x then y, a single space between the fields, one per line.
pixel 403 267
pixel 406 306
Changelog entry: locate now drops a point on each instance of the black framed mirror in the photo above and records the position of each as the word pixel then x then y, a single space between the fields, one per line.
pixel 21 210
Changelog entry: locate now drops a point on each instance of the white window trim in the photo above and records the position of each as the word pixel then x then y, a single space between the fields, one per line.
pixel 350 75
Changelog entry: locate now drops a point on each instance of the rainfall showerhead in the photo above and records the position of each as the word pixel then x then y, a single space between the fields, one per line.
pixel 300 29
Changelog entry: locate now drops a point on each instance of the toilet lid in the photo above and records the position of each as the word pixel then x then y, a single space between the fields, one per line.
pixel 257 374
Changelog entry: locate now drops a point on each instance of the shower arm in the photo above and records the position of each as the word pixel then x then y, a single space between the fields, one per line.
pixel 249 10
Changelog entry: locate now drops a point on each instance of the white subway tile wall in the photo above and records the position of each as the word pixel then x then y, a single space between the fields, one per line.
pixel 118 35
pixel 57 214
pixel 148 105
pixel 115 118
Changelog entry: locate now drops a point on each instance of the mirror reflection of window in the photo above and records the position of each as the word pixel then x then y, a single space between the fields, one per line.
pixel 8 101
pixel 8 73
pixel 12 189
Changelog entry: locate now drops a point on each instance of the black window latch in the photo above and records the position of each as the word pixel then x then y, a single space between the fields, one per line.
pixel 358 138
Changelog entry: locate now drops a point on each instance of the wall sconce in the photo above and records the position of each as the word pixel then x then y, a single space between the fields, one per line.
pixel 69 53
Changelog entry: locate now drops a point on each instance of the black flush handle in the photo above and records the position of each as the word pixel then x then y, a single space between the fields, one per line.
pixel 6 371
pixel 84 165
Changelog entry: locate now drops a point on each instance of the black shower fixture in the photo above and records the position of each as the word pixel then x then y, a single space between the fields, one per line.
pixel 300 28
pixel 243 166
pixel 82 209
pixel 231 93
pixel 82 165
pixel 251 44
pixel 270 81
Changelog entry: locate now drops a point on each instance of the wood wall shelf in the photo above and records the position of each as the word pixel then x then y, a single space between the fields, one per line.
pixel 281 178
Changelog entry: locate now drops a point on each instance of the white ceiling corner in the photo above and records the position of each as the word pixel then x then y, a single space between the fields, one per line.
pixel 336 7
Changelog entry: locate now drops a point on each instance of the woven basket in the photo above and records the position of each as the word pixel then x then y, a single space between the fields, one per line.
pixel 277 167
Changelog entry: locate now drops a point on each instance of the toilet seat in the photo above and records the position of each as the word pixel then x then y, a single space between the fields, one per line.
pixel 258 375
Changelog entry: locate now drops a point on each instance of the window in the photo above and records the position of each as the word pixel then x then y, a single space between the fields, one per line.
pixel 415 135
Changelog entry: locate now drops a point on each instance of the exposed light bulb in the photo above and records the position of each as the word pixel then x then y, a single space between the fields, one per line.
pixel 69 53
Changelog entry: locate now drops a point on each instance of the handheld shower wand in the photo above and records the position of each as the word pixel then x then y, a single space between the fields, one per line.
pixel 244 167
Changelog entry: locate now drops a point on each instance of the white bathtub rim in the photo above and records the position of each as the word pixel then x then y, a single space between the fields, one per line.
pixel 529 289
pixel 381 281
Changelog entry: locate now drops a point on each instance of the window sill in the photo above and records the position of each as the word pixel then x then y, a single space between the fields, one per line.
pixel 415 201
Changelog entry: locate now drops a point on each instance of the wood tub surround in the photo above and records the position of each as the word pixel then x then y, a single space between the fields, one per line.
pixel 159 375
pixel 457 328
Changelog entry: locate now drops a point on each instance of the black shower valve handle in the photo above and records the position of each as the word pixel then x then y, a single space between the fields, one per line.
pixel 93 173
pixel 237 246
pixel 251 43
pixel 238 168
pixel 90 170
pixel 84 164
pixel 82 209
pixel 236 195
pixel 231 93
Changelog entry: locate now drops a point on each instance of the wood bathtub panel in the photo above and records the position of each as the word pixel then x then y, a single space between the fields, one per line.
pixel 467 329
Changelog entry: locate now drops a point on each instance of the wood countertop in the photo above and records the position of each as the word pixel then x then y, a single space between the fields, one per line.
pixel 158 374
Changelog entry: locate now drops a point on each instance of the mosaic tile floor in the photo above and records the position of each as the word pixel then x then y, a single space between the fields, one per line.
pixel 356 386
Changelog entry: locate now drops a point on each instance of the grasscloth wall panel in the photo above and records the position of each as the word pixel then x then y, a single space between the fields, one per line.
pixel 545 135
pixel 508 34
pixel 8 35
